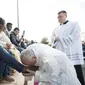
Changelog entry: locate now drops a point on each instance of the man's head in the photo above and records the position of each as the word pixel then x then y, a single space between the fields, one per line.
pixel 62 15
pixel 2 23
pixel 9 26
pixel 28 57
pixel 16 31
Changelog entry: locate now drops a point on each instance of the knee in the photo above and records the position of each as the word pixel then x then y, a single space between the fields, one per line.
pixel 1 49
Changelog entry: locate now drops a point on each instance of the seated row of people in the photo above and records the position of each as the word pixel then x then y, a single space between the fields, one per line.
pixel 11 44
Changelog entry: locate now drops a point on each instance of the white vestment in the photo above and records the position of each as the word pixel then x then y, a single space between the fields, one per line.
pixel 54 66
pixel 67 39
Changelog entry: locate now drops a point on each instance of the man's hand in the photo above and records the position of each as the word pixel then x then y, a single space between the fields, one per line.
pixel 31 72
pixel 33 68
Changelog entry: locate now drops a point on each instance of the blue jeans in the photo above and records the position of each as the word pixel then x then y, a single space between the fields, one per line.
pixel 20 49
pixel 6 60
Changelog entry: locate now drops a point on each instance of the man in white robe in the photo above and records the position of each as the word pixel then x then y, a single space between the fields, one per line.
pixel 54 66
pixel 66 38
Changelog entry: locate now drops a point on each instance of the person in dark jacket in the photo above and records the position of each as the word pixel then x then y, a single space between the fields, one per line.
pixel 15 39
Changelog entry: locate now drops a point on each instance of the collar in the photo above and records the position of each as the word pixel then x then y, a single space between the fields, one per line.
pixel 65 22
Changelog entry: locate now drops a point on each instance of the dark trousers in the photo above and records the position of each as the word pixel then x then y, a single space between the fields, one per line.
pixel 79 72
pixel 4 68
pixel 20 49
pixel 7 59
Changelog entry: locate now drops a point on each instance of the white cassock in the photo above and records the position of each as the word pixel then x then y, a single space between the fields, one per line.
pixel 54 66
pixel 67 37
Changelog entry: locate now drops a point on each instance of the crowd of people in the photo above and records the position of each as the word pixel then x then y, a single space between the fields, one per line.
pixel 59 64
pixel 11 45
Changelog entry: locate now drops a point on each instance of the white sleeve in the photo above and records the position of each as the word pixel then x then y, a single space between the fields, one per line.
pixel 48 73
pixel 5 40
pixel 3 44
pixel 53 37
pixel 71 38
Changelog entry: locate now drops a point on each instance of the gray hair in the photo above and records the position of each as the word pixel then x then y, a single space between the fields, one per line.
pixel 27 53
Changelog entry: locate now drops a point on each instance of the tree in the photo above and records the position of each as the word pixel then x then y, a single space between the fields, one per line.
pixel 45 40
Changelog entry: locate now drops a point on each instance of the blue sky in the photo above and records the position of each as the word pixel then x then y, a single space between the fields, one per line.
pixel 39 17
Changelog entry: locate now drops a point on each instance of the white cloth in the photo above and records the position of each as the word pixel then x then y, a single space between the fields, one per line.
pixel 54 66
pixel 7 32
pixel 68 41
pixel 4 39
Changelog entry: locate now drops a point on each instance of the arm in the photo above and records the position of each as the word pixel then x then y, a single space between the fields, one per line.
pixel 4 40
pixel 55 36
pixel 3 44
pixel 72 37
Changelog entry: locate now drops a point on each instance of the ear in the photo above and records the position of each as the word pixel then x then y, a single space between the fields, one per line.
pixel 1 26
pixel 24 60
pixel 66 15
pixel 33 57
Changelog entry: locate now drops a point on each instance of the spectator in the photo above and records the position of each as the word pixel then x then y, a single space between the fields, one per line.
pixel 6 70
pixel 5 60
pixel 23 45
pixel 6 43
pixel 8 29
pixel 26 43
pixel 15 39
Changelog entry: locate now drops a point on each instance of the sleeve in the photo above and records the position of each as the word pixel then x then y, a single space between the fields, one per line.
pixel 72 37
pixel 55 35
pixel 48 73
pixel 3 44
pixel 13 40
pixel 53 39
pixel 5 40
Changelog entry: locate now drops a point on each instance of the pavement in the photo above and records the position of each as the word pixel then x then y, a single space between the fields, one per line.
pixel 19 79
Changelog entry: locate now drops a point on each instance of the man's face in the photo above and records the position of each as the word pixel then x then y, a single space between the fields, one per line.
pixel 1 27
pixel 62 17
pixel 9 27
pixel 16 32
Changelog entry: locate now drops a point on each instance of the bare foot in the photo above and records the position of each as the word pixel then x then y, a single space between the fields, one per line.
pixel 25 83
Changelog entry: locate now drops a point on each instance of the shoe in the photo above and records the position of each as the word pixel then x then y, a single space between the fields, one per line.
pixel 1 79
pixel 12 73
pixel 9 79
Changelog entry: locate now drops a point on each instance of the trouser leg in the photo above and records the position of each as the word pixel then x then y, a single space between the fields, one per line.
pixel 10 60
pixel 79 72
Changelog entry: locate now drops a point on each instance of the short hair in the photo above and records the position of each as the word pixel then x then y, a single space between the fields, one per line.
pixel 8 24
pixel 63 11
pixel 2 21
pixel 27 53
pixel 16 29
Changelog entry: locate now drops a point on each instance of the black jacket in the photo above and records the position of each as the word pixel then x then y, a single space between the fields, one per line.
pixel 14 39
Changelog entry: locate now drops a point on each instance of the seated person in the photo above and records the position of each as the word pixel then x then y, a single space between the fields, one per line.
pixel 8 60
pixel 54 66
pixel 8 29
pixel 15 39
pixel 5 41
